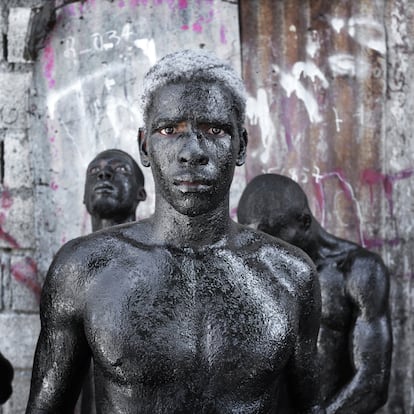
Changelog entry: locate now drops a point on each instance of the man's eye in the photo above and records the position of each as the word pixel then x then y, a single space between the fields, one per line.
pixel 168 130
pixel 121 168
pixel 216 131
pixel 94 170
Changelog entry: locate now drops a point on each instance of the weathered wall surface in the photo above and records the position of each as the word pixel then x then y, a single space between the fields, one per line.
pixel 330 85
pixel 330 102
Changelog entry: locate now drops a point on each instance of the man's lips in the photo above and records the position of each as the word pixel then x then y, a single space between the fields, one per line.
pixel 103 189
pixel 192 184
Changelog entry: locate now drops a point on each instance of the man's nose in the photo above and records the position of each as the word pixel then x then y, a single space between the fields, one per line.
pixel 105 174
pixel 192 151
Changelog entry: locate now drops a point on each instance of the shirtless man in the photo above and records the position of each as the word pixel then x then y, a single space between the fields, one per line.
pixel 355 341
pixel 186 311
pixel 114 187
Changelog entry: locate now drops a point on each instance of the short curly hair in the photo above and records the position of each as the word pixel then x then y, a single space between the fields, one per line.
pixel 194 65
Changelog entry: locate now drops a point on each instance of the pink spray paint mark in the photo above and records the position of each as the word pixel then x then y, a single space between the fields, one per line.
pixel 372 177
pixel 286 123
pixel 25 272
pixel 54 186
pixel 49 65
pixel 345 187
pixel 223 38
pixel 184 27
pixel 80 8
pixel 121 4
pixel 319 194
pixel 71 10
pixel 197 27
pixel 10 240
pixel 182 4
pixel 370 243
pixel 52 139
pixel 6 199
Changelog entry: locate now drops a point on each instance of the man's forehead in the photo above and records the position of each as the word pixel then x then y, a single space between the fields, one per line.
pixel 110 157
pixel 188 100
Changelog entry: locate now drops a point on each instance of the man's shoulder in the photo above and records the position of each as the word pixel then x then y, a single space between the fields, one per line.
pixel 362 262
pixel 367 279
pixel 81 257
pixel 279 255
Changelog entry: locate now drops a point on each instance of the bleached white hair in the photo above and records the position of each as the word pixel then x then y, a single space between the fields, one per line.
pixel 193 65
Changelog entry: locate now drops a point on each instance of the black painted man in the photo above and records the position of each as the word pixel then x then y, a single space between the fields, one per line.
pixel 114 187
pixel 186 311
pixel 355 338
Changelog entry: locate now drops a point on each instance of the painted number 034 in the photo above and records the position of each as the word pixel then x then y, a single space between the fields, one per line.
pixel 100 42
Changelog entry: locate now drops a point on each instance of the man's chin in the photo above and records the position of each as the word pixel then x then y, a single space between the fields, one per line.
pixel 105 208
pixel 194 204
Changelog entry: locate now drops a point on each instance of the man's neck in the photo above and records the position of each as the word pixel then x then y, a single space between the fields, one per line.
pixel 103 223
pixel 181 230
pixel 329 246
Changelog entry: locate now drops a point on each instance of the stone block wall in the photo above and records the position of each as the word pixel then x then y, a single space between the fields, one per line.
pixel 20 287
pixel 38 210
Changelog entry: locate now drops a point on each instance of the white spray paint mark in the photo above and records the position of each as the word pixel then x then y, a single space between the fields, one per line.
pixel 310 70
pixel 319 178
pixel 342 64
pixel 257 111
pixel 312 43
pixel 360 114
pixel 148 48
pixel 55 96
pixel 109 83
pixel 290 82
pixel 121 115
pixel 338 121
pixel 337 23
pixel 292 28
pixel 368 32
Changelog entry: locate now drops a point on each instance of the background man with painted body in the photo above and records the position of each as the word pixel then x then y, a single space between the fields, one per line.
pixel 355 341
pixel 114 187
pixel 186 311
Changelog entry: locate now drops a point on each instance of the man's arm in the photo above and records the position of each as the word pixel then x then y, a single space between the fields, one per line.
pixel 371 338
pixel 6 377
pixel 62 354
pixel 302 372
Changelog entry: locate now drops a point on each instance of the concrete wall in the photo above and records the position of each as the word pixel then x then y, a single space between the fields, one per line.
pixel 330 104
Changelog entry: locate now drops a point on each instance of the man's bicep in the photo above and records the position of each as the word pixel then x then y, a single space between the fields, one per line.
pixel 371 338
pixel 367 284
pixel 304 375
pixel 62 354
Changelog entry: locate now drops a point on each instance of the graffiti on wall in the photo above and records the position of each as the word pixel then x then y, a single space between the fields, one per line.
pixel 88 81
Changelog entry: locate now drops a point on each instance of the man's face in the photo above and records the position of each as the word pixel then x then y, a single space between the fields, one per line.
pixel 111 187
pixel 288 224
pixel 193 144
pixel 288 227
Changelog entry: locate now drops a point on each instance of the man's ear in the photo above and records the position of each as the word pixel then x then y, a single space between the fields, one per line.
pixel 142 194
pixel 142 145
pixel 306 221
pixel 241 157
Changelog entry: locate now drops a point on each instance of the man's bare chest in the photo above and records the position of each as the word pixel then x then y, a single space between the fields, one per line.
pixel 181 316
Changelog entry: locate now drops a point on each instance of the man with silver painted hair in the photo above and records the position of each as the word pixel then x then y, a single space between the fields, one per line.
pixel 186 311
